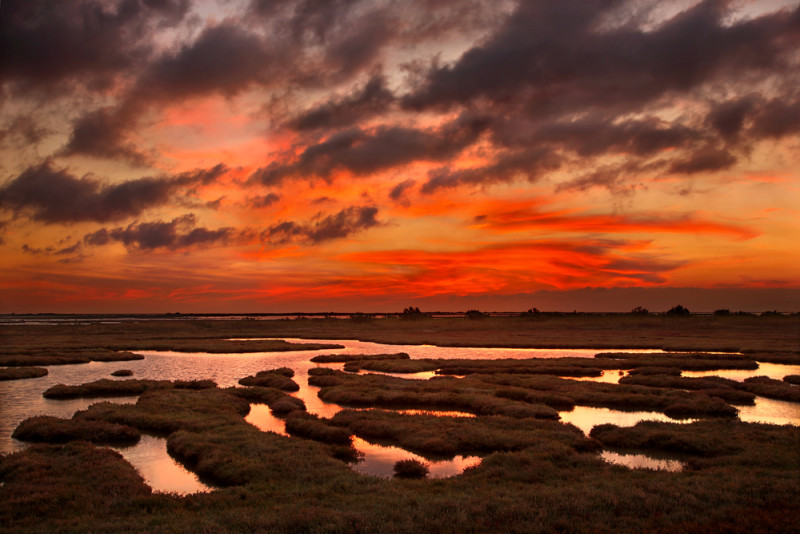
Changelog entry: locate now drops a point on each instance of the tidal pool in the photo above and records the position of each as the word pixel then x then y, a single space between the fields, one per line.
pixel 23 398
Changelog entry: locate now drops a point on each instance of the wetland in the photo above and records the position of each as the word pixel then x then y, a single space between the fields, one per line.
pixel 573 423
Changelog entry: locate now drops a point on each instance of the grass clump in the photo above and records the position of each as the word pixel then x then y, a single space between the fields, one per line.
pixel 194 384
pixel 17 373
pixel 344 358
pixel 306 425
pixel 122 372
pixel 273 378
pixel 391 366
pixel 713 386
pixel 63 356
pixel 410 469
pixel 390 392
pixel 47 429
pixel 437 436
pixel 278 401
pixel 771 388
pixel 792 379
pixel 105 388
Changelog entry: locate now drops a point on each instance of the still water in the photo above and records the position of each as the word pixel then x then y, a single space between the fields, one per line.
pixel 23 398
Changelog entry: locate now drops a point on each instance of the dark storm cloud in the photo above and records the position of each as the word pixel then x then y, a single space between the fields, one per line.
pixel 398 192
pixel 103 133
pixel 55 196
pixel 264 200
pixel 530 165
pixel 553 56
pixel 707 159
pixel 45 43
pixel 224 59
pixel 371 99
pixel 178 233
pixel 363 152
pixel 321 228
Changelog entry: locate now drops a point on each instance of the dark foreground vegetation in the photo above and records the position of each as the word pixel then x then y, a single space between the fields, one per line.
pixel 537 474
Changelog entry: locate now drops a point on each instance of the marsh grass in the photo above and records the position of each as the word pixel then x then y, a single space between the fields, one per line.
pixel 713 386
pixel 273 378
pixel 122 372
pixel 344 358
pixel 310 426
pixel 443 437
pixel 389 392
pixel 771 388
pixel 47 429
pixel 105 388
pixel 18 373
pixel 63 356
pixel 743 478
pixel 410 469
pixel 792 379
pixel 278 401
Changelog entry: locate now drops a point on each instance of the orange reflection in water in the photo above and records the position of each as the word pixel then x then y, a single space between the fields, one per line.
pixel 586 417
pixel 159 470
pixel 379 461
pixel 642 461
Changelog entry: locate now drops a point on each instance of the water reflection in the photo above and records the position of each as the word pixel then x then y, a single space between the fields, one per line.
pixel 23 399
pixel 159 469
pixel 642 461
pixel 772 370
pixel 586 417
pixel 262 418
pixel 776 412
pixel 379 461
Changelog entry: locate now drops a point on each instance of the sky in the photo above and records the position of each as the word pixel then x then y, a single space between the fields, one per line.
pixel 367 155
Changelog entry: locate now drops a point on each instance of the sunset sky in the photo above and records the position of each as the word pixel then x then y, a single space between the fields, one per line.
pixel 285 155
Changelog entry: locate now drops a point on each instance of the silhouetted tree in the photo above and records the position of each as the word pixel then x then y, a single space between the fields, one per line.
pixel 412 313
pixel 678 310
pixel 639 310
pixel 723 311
pixel 532 312
pixel 474 314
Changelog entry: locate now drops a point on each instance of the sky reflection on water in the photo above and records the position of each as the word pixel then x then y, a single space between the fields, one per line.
pixel 23 398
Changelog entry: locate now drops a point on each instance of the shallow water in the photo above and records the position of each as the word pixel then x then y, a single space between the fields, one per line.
pixel 159 470
pixel 379 461
pixel 642 461
pixel 22 398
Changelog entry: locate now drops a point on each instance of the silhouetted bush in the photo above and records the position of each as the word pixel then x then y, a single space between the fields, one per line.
pixel 639 310
pixel 723 311
pixel 474 314
pixel 410 469
pixel 412 313
pixel 678 311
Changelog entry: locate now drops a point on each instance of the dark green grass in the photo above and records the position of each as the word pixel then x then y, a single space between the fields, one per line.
pixel 17 373
pixel 47 429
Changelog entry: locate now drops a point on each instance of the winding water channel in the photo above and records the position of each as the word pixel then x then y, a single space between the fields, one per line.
pixel 23 398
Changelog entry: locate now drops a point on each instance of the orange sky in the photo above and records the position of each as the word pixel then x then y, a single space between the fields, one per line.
pixel 255 156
